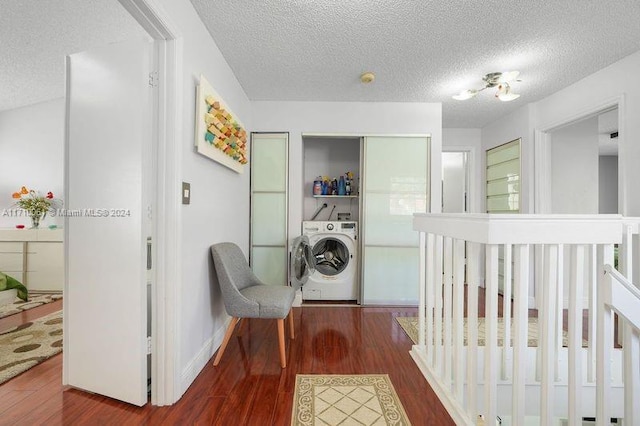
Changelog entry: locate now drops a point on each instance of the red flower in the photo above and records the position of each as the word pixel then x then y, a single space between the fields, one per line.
pixel 50 195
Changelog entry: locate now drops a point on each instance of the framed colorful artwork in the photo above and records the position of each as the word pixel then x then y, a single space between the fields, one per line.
pixel 220 135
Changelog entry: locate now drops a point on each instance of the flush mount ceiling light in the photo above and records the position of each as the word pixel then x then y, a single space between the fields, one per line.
pixel 500 80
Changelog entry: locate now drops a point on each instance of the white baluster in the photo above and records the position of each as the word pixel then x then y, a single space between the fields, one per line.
pixel 438 311
pixel 448 284
pixel 426 264
pixel 593 282
pixel 539 292
pixel 430 296
pixel 491 334
pixel 506 312
pixel 546 341
pixel 576 296
pixel 625 255
pixel 458 318
pixel 631 376
pixel 559 312
pixel 472 330
pixel 521 328
pixel 604 338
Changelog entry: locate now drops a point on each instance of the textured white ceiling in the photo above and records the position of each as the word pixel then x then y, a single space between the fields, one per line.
pixel 36 35
pixel 420 50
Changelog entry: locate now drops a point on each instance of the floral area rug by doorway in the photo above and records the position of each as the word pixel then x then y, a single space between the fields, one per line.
pixel 346 400
pixel 26 345
pixel 34 301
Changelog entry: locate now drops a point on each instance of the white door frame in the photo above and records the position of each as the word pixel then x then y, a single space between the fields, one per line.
pixel 165 389
pixel 542 152
pixel 473 193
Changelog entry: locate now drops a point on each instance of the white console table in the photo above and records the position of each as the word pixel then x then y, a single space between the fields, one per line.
pixel 34 257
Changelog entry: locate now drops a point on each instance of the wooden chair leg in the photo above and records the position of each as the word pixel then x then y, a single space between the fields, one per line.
pixel 227 336
pixel 283 358
pixel 291 327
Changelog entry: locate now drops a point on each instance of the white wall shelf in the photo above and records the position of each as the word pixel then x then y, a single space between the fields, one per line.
pixel 335 196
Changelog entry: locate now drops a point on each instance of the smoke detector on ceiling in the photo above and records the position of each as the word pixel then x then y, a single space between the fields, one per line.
pixel 367 77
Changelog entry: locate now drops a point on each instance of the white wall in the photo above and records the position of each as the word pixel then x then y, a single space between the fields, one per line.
pixel 31 155
pixel 608 184
pixel 516 125
pixel 574 168
pixel 616 82
pixel 219 209
pixel 331 157
pixel 469 140
pixel 453 182
pixel 347 118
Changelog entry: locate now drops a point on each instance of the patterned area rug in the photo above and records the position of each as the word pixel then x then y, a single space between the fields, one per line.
pixel 346 400
pixel 25 345
pixel 34 301
pixel 410 326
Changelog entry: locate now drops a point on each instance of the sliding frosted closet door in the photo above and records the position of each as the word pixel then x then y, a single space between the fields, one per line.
pixel 395 187
pixel 269 200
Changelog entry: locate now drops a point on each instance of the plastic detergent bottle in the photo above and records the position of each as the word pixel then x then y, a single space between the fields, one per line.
pixel 317 186
pixel 342 189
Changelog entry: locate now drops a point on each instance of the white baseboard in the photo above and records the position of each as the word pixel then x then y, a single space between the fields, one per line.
pixel 197 363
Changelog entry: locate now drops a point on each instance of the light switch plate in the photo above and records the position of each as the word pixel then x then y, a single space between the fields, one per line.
pixel 186 193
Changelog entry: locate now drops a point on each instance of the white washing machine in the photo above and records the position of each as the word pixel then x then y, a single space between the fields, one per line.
pixel 334 247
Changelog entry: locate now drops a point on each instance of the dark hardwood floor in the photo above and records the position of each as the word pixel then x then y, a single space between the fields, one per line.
pixel 248 387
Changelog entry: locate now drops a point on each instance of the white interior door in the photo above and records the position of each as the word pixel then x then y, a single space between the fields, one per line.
pixel 108 147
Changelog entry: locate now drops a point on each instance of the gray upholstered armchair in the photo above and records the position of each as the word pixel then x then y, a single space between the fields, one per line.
pixel 245 296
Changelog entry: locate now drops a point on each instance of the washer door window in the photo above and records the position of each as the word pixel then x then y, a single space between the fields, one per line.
pixel 331 255
pixel 302 261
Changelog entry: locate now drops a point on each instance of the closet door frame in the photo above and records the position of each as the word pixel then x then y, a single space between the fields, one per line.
pixel 286 207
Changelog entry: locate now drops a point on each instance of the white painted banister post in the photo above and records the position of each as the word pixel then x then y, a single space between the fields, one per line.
pixel 546 341
pixel 491 334
pixel 506 311
pixel 426 264
pixel 458 319
pixel 604 338
pixel 520 324
pixel 575 334
pixel 472 330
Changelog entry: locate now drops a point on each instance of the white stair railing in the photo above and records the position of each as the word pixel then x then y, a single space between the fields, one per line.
pixel 504 376
pixel 620 296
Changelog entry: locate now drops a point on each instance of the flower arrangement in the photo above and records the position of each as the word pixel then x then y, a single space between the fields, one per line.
pixel 35 204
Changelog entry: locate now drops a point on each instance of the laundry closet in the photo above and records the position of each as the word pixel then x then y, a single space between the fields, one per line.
pixel 331 205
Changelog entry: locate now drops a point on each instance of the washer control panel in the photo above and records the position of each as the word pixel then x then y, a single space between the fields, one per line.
pixel 315 227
